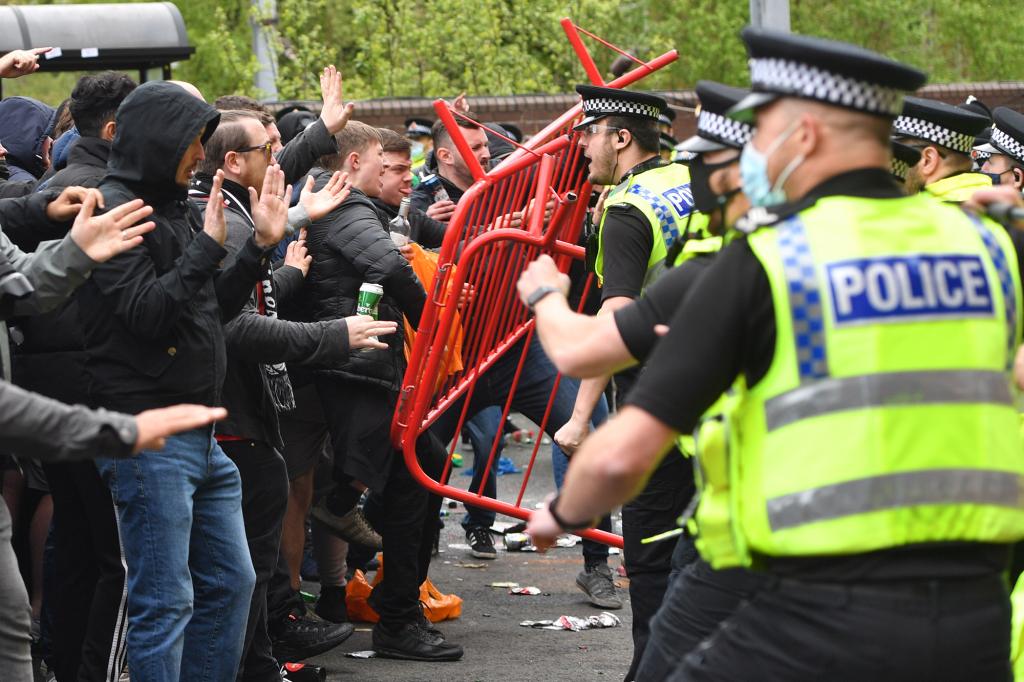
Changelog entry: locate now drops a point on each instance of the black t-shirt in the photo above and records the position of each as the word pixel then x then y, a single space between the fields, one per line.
pixel 731 309
pixel 636 321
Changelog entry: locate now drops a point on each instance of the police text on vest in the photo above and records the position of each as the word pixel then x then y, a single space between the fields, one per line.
pixel 907 287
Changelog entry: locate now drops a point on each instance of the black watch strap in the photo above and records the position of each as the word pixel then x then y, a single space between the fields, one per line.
pixel 563 524
pixel 537 294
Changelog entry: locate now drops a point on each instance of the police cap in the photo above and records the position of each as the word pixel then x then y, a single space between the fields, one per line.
pixel 667 142
pixel 418 127
pixel 940 123
pixel 904 157
pixel 826 71
pixel 715 130
pixel 599 102
pixel 1007 134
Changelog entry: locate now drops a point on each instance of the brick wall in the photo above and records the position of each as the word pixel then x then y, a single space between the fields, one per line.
pixel 533 112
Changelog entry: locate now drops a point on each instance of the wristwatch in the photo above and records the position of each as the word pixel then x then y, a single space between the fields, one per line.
pixel 568 527
pixel 537 294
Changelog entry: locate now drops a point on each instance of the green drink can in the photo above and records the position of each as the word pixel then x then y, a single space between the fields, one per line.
pixel 369 297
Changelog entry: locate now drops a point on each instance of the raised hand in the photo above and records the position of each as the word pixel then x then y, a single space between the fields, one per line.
pixel 105 236
pixel 17 63
pixel 461 104
pixel 270 208
pixel 155 425
pixel 297 256
pixel 336 113
pixel 214 224
pixel 363 330
pixel 330 196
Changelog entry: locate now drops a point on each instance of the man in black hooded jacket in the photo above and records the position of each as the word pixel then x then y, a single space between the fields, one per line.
pixel 153 323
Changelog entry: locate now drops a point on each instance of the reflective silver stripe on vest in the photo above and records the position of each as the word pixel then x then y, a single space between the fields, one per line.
pixel 826 396
pixel 890 491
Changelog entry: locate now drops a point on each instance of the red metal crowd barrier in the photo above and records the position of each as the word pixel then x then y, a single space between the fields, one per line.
pixel 531 204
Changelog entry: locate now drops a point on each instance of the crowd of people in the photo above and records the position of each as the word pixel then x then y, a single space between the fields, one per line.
pixel 203 350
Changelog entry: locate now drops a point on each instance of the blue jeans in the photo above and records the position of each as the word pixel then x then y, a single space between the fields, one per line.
pixel 189 577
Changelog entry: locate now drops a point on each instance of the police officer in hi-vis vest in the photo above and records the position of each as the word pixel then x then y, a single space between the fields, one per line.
pixel 872 448
pixel 645 217
pixel 944 134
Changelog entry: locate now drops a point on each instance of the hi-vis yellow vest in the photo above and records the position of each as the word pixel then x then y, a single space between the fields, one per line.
pixel 887 416
pixel 958 188
pixel 663 195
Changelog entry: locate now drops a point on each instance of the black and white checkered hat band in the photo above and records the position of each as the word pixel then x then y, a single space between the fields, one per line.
pixel 803 80
pixel 611 107
pixel 900 168
pixel 723 129
pixel 927 130
pixel 1007 144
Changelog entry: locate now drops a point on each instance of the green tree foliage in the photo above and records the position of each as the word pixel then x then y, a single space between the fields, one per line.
pixel 397 48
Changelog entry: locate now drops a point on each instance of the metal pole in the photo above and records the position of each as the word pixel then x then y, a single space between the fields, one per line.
pixel 772 14
pixel 264 13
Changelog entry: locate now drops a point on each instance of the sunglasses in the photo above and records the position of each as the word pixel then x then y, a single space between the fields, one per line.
pixel 267 149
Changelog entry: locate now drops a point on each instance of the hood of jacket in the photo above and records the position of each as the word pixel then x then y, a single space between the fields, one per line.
pixel 24 125
pixel 156 123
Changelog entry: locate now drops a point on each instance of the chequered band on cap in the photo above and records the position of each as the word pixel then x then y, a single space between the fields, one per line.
pixel 611 107
pixel 1007 144
pixel 933 132
pixel 803 80
pixel 727 130
pixel 900 168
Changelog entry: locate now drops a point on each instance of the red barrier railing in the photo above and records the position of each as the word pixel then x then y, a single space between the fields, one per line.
pixel 531 204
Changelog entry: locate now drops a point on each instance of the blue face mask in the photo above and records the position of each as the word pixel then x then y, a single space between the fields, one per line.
pixel 754 171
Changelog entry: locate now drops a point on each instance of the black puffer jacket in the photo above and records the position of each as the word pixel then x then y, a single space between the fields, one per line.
pixel 351 245
pixel 153 316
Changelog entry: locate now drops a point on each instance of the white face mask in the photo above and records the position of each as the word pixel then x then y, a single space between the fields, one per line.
pixel 758 187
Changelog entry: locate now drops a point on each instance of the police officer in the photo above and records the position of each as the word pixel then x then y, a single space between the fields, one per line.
pixel 645 213
pixel 418 132
pixel 1006 148
pixel 874 469
pixel 944 135
pixel 697 598
pixel 904 157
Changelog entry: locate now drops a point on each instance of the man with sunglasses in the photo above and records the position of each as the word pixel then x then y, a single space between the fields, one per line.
pixel 257 386
pixel 646 214
pixel 944 134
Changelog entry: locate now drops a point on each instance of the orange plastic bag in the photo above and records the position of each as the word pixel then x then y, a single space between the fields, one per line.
pixel 437 606
pixel 424 264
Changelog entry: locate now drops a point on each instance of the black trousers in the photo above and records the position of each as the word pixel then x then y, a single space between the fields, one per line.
pixel 264 500
pixel 698 600
pixel 655 510
pixel 923 630
pixel 408 515
pixel 89 601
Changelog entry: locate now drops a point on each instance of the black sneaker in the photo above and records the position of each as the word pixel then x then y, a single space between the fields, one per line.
pixel 297 638
pixel 411 642
pixel 302 672
pixel 351 526
pixel 331 604
pixel 596 582
pixel 481 543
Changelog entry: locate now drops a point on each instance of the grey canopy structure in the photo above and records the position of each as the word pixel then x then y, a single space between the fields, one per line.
pixel 123 37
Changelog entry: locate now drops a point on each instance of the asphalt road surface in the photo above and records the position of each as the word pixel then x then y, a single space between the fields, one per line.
pixel 497 647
